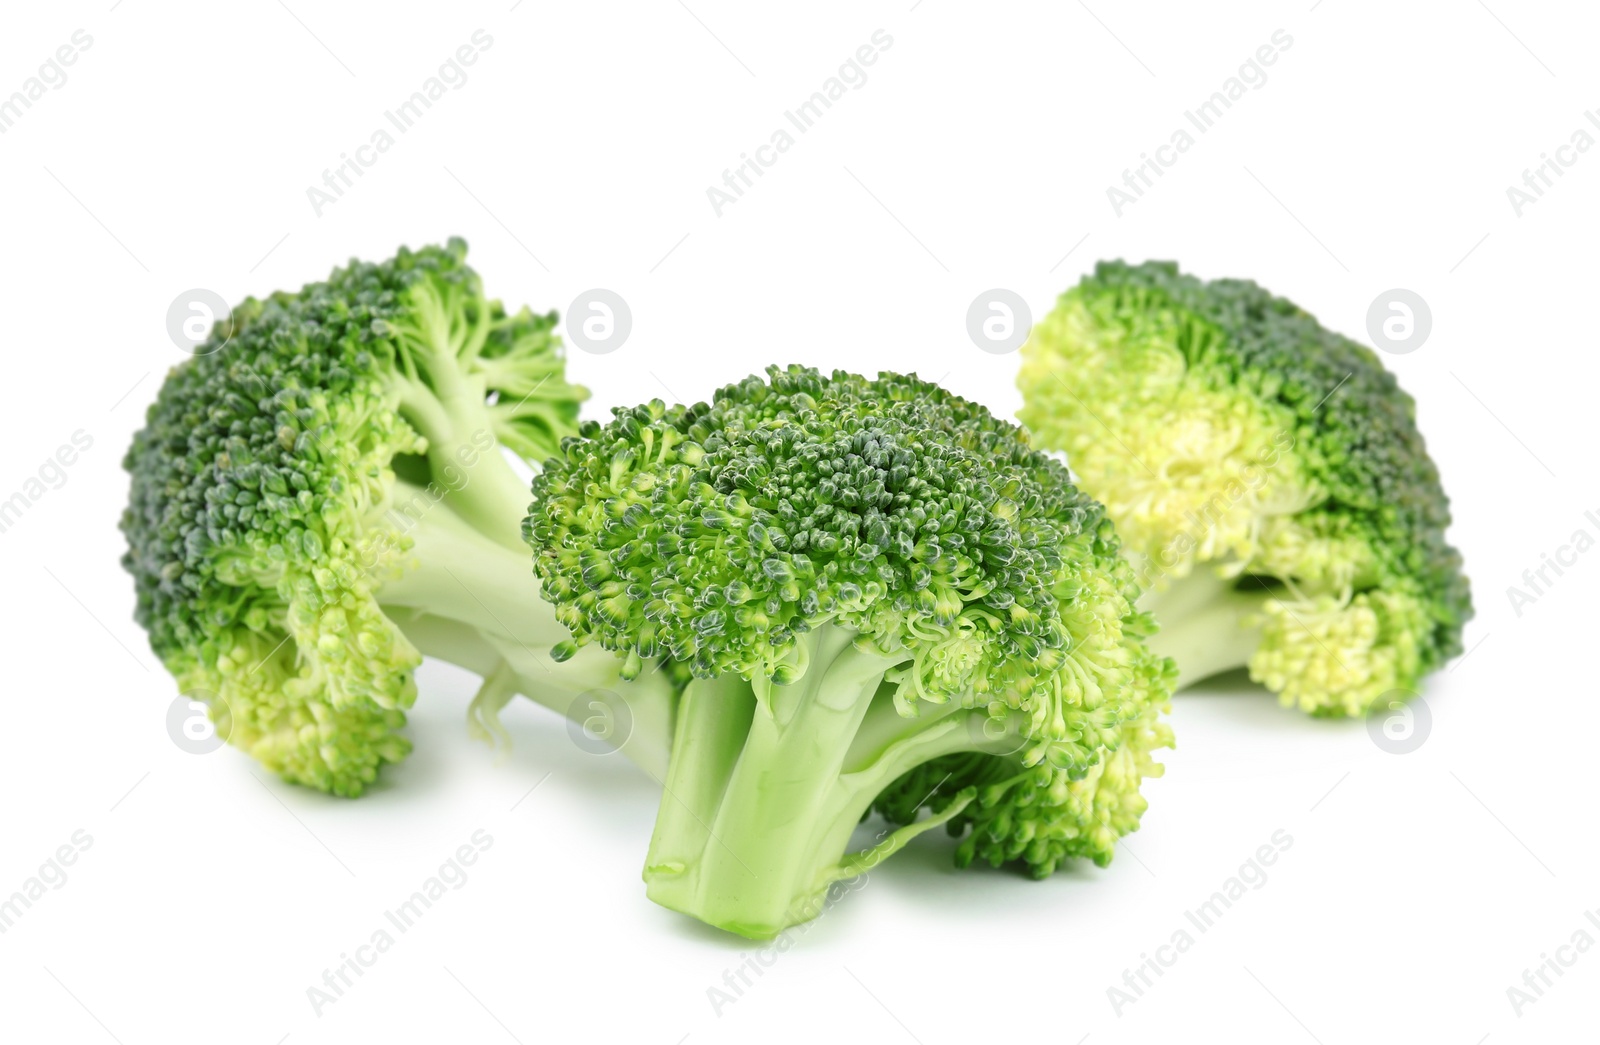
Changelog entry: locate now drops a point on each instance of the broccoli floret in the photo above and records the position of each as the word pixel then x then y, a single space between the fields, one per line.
pixel 1266 473
pixel 319 497
pixel 886 600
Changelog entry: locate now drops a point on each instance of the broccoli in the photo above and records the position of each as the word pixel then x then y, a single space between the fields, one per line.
pixel 1266 473
pixel 319 497
pixel 885 600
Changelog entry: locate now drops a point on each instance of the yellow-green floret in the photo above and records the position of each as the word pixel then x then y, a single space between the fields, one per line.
pixel 1267 477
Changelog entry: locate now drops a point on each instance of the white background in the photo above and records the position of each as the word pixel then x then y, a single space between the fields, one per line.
pixel 1377 154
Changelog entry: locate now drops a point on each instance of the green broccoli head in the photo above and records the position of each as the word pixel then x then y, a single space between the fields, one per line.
pixel 1226 430
pixel 883 596
pixel 326 468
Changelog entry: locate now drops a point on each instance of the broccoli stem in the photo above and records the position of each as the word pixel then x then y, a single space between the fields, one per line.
pixel 470 600
pixel 451 411
pixel 1208 626
pixel 767 784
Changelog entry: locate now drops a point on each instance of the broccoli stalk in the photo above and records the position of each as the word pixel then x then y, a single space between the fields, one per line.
pixel 320 495
pixel 887 602
pixel 1267 478
pixel 1208 624
pixel 1329 655
pixel 753 756
pixel 465 598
